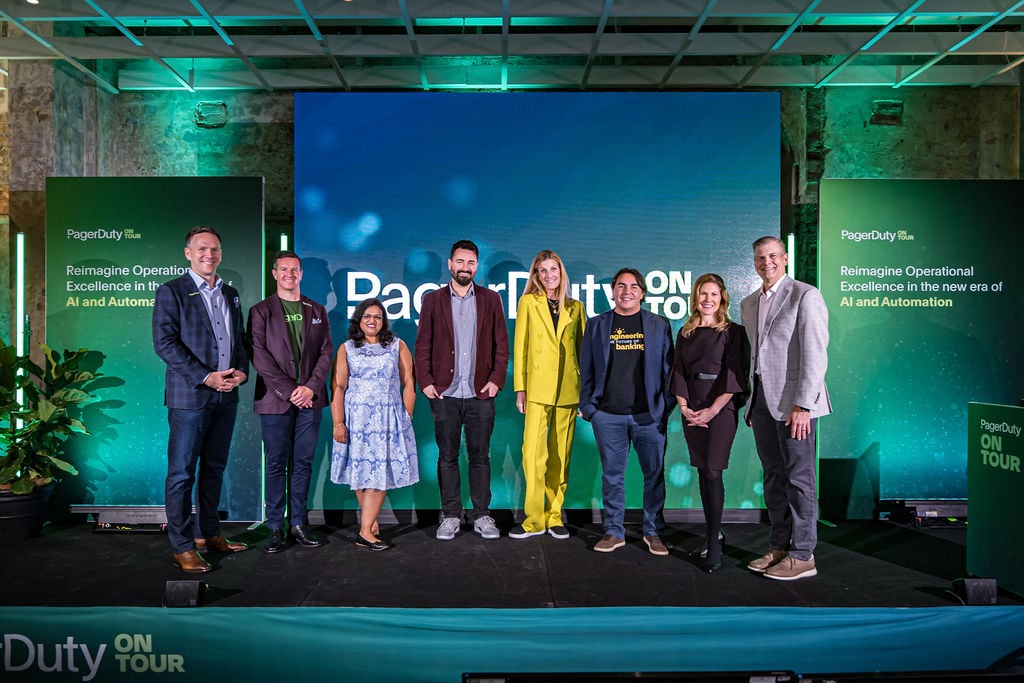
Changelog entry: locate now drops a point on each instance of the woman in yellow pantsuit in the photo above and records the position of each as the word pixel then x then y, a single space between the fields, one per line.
pixel 549 333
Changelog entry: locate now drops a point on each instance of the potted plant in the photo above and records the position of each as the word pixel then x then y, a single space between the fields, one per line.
pixel 35 428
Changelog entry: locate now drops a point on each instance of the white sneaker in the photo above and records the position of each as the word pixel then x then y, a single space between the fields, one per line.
pixel 447 529
pixel 486 527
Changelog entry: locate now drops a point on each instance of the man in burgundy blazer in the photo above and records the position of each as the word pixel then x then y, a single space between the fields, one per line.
pixel 292 352
pixel 461 360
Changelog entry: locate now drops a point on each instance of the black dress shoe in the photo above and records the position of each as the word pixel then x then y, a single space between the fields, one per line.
pixel 371 545
pixel 275 543
pixel 304 537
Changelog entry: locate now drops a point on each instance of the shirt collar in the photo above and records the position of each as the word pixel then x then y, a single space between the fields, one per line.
pixel 202 284
pixel 774 289
pixel 469 292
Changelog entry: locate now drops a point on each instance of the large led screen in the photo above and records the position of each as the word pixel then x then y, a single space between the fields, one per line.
pixel 674 184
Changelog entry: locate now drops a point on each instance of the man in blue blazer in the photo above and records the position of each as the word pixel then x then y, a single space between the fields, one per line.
pixel 787 325
pixel 625 365
pixel 197 332
pixel 291 352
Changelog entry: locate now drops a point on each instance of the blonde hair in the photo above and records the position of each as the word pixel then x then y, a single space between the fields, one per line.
pixel 721 315
pixel 534 286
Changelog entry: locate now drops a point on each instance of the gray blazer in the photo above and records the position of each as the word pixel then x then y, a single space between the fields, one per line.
pixel 794 349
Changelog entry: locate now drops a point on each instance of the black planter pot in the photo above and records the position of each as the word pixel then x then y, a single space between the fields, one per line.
pixel 22 516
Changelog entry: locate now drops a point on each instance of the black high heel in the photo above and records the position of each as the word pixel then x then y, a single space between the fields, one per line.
pixel 711 567
pixel 703 552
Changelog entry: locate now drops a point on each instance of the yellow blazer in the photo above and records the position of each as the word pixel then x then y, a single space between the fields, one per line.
pixel 547 361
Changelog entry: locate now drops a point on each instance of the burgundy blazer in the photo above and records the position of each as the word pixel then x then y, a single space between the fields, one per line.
pixel 434 353
pixel 274 361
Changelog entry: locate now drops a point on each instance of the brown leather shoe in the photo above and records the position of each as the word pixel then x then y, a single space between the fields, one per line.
pixel 223 545
pixel 192 562
pixel 761 564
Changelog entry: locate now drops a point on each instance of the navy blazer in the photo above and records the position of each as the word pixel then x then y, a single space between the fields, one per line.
pixel 434 351
pixel 274 361
pixel 658 357
pixel 183 338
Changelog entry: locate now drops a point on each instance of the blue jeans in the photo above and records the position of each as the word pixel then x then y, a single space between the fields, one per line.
pixel 790 492
pixel 292 434
pixel 199 439
pixel 614 433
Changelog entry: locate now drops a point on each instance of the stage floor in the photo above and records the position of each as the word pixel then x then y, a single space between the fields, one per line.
pixel 860 564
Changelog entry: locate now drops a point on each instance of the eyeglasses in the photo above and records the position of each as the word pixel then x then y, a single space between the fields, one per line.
pixel 372 316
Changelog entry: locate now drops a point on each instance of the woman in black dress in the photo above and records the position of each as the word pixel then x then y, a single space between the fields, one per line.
pixel 709 380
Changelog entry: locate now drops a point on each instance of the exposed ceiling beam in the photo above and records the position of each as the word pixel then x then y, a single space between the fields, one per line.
pixel 63 55
pixel 797 23
pixel 130 35
pixel 315 30
pixel 896 21
pixel 242 57
pixel 971 36
pixel 687 42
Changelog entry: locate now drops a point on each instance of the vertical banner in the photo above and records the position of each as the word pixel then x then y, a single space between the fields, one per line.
pixel 110 243
pixel 673 184
pixel 926 300
pixel 995 449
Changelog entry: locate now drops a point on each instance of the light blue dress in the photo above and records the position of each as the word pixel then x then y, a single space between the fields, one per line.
pixel 381 449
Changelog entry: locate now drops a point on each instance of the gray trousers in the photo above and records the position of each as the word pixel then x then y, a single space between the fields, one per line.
pixel 790 493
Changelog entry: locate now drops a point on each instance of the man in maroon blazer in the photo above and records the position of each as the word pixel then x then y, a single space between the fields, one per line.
pixel 461 359
pixel 291 351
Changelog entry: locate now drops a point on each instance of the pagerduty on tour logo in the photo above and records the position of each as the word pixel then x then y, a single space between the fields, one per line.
pixel 132 654
pixel 993 452
pixel 89 234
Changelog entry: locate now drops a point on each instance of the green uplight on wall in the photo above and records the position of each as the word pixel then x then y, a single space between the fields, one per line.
pixel 19 303
pixel 19 292
pixel 791 250
pixel 284 242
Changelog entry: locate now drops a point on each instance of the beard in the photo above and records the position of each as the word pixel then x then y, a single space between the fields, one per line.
pixel 462 277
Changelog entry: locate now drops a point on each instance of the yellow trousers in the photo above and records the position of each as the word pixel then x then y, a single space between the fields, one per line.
pixel 547 446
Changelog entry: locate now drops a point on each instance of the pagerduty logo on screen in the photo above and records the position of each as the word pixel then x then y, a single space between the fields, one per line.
pixel 993 453
pixel 668 293
pixel 91 234
pixel 133 654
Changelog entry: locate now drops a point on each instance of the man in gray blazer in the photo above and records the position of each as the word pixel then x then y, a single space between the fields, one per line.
pixel 787 324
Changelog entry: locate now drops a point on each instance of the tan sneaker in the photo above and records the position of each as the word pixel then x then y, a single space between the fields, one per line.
pixel 762 563
pixel 791 569
pixel 655 545
pixel 609 543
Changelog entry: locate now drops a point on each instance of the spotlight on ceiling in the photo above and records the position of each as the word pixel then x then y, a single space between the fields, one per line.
pixel 32 2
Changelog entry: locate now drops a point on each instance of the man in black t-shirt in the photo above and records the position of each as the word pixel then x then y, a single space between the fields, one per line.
pixel 624 371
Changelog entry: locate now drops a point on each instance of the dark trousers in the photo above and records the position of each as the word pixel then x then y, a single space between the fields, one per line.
pixel 451 416
pixel 197 453
pixel 789 480
pixel 613 434
pixel 292 434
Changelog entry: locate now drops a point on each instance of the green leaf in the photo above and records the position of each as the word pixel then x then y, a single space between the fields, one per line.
pixel 46 410
pixel 23 486
pixel 63 465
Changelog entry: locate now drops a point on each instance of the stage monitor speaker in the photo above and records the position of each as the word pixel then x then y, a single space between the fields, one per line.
pixel 184 594
pixel 976 591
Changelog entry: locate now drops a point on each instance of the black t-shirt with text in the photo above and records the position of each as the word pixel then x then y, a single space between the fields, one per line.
pixel 624 390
